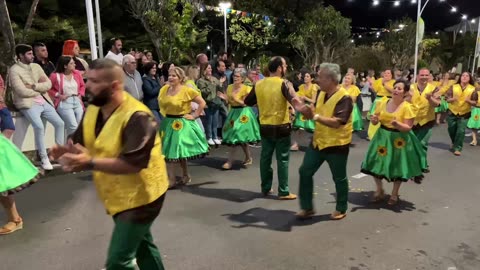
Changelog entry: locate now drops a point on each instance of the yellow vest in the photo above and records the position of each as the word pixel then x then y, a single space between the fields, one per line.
pixel 126 191
pixel 460 107
pixel 272 105
pixel 325 136
pixel 425 112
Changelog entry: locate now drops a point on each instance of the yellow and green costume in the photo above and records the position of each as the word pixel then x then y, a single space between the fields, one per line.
pixel 381 92
pixel 354 92
pixel 300 121
pixel 458 115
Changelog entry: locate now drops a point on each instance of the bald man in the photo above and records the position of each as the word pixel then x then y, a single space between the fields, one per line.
pixel 118 140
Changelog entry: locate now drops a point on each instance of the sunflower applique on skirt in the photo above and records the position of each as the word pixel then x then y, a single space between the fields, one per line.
pixel 241 127
pixel 474 121
pixel 182 139
pixel 303 124
pixel 394 156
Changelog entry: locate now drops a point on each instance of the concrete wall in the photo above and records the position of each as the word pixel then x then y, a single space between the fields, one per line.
pixel 23 137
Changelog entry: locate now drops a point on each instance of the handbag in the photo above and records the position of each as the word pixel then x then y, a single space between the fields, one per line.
pixel 9 95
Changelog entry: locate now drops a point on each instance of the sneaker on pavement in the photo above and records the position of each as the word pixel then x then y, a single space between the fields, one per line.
pixel 217 141
pixel 46 165
pixel 305 214
pixel 211 142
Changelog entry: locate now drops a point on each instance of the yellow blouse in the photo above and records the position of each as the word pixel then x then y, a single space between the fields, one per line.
pixel 380 89
pixel 353 91
pixel 404 112
pixel 179 104
pixel 241 94
pixel 310 93
pixel 444 88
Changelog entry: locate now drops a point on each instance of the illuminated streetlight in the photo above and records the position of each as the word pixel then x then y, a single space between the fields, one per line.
pixel 453 10
pixel 473 21
pixel 396 3
pixel 224 6
pixel 376 2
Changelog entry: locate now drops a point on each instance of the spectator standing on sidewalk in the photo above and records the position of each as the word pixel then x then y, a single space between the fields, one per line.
pixel 115 52
pixel 132 78
pixel 41 58
pixel 30 85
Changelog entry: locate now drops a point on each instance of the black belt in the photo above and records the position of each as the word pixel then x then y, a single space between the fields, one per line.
pixel 237 107
pixel 175 116
pixel 389 129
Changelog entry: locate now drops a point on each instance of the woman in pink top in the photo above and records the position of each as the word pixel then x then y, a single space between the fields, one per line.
pixel 67 91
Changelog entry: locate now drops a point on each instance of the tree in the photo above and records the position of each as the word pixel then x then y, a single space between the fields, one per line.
pixel 28 23
pixel 8 49
pixel 369 57
pixel 321 42
pixel 170 25
pixel 400 43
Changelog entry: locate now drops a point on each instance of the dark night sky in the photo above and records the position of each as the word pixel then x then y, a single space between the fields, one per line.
pixel 437 15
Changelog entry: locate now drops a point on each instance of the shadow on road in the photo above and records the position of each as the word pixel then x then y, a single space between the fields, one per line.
pixel 362 199
pixel 275 220
pixel 440 145
pixel 217 162
pixel 228 194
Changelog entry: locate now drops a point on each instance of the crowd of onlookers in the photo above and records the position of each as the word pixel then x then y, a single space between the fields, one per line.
pixel 40 91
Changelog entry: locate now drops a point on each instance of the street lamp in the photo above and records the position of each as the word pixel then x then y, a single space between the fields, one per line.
pixel 224 6
pixel 417 41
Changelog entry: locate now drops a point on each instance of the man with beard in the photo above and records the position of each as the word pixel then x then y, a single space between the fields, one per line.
pixel 118 140
pixel 273 95
pixel 425 98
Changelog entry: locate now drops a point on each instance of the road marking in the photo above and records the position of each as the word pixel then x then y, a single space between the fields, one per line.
pixel 358 176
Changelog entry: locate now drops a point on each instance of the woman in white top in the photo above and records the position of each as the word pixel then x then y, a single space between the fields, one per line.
pixel 67 91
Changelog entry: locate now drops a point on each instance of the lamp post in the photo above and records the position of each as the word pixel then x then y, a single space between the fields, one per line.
pixel 224 6
pixel 477 49
pixel 417 39
pixel 91 29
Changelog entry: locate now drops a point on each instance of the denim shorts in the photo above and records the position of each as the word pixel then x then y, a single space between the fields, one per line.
pixel 6 120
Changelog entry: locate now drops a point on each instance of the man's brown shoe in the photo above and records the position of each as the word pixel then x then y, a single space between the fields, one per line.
pixel 290 196
pixel 337 215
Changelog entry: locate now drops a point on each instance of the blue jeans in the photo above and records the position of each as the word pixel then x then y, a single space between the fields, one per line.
pixel 71 112
pixel 34 115
pixel 6 121
pixel 212 122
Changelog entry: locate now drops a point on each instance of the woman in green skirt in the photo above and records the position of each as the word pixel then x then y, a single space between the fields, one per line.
pixel 383 87
pixel 241 126
pixel 353 92
pixel 474 121
pixel 308 93
pixel 182 137
pixel 16 173
pixel 394 154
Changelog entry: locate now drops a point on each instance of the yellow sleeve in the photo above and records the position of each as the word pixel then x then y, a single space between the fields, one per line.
pixel 377 85
pixel 162 92
pixel 301 91
pixel 408 111
pixel 191 93
pixel 354 91
pixel 380 106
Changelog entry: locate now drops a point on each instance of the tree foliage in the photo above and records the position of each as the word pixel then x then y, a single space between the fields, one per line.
pixel 321 42
pixel 373 57
pixel 400 43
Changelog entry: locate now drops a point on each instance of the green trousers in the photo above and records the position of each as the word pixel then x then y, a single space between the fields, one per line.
pixel 130 241
pixel 423 134
pixel 281 147
pixel 456 130
pixel 312 161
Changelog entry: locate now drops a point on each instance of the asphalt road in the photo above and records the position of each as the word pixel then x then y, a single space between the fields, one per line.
pixel 221 222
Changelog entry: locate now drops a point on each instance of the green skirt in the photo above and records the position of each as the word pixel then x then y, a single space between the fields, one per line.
pixel 443 107
pixel 182 139
pixel 357 118
pixel 303 124
pixel 16 171
pixel 474 121
pixel 394 156
pixel 241 127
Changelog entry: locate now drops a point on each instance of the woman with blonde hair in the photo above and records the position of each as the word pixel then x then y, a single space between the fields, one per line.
pixel 241 126
pixel 182 138
pixel 353 91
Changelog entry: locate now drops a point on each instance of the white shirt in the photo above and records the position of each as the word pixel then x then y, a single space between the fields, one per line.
pixel 70 87
pixel 115 57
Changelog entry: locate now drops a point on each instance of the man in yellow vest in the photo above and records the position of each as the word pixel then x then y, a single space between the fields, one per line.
pixel 330 143
pixel 118 139
pixel 425 98
pixel 273 96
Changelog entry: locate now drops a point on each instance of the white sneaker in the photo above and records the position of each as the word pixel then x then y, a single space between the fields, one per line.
pixel 46 165
pixel 211 142
pixel 217 141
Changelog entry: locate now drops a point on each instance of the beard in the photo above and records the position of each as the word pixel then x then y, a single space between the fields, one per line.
pixel 102 99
